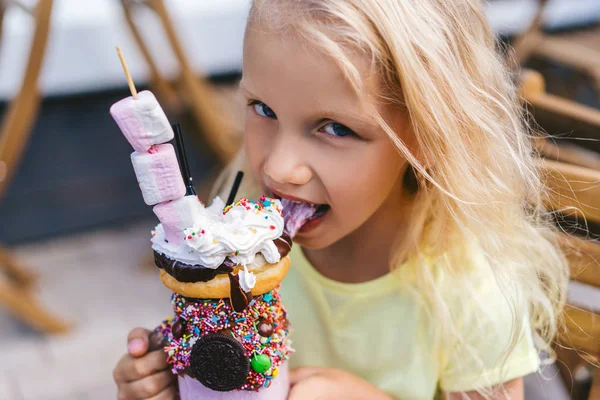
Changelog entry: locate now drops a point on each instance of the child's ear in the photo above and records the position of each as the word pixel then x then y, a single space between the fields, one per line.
pixel 413 180
pixel 409 180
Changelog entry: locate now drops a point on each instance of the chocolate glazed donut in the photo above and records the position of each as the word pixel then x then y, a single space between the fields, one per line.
pixel 198 273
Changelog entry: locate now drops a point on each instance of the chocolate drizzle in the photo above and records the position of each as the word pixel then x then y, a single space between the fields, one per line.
pixel 190 273
pixel 239 298
pixel 198 273
pixel 284 244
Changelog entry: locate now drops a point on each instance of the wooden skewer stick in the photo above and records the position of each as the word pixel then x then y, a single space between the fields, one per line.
pixel 127 74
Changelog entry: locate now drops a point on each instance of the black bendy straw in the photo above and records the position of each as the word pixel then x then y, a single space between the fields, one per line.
pixel 234 188
pixel 183 162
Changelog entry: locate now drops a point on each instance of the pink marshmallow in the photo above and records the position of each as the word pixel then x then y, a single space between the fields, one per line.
pixel 142 121
pixel 158 174
pixel 178 215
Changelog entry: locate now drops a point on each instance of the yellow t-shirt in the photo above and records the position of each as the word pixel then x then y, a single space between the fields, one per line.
pixel 377 330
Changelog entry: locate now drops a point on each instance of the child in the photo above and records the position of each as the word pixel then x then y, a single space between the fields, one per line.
pixel 431 265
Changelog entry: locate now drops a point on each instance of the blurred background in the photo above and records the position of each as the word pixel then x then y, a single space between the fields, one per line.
pixel 76 271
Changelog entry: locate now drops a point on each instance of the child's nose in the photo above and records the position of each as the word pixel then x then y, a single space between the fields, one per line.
pixel 285 163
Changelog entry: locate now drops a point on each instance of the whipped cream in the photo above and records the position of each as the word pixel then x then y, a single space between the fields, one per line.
pixel 238 232
pixel 247 279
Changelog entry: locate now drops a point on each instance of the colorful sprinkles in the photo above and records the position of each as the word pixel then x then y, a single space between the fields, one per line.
pixel 263 204
pixel 202 317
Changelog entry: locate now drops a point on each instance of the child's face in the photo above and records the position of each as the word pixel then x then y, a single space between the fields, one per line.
pixel 308 137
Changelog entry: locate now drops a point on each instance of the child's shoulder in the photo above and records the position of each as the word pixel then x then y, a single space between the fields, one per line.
pixel 477 290
pixel 468 282
pixel 488 335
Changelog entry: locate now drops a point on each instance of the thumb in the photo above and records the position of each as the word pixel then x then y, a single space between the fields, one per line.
pixel 137 342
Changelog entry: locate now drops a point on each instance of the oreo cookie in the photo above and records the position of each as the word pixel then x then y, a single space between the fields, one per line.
pixel 219 362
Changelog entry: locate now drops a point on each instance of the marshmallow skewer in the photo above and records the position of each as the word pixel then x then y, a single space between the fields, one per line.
pixel 142 121
pixel 158 174
pixel 146 127
pixel 140 117
pixel 127 74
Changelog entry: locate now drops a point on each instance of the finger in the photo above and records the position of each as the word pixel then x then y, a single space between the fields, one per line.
pixel 131 369
pixel 302 373
pixel 137 342
pixel 119 372
pixel 148 387
pixel 170 393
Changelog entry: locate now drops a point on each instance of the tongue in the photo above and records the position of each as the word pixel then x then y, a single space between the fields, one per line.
pixel 296 215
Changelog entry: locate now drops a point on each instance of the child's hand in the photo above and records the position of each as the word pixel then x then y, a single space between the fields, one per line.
pixel 143 374
pixel 310 383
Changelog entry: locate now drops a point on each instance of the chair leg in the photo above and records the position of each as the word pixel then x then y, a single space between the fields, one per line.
pixel 15 271
pixel 596 76
pixel 218 129
pixel 24 306
pixel 525 44
pixel 595 392
pixel 569 362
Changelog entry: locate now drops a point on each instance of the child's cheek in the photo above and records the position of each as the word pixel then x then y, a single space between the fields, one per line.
pixel 256 143
pixel 360 194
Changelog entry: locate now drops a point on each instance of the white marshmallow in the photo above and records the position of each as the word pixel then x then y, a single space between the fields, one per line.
pixel 158 174
pixel 178 215
pixel 142 121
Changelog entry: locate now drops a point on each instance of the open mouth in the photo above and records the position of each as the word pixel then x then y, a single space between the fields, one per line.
pixel 299 213
pixel 321 210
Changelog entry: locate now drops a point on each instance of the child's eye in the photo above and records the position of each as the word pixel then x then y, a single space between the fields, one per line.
pixel 263 110
pixel 337 129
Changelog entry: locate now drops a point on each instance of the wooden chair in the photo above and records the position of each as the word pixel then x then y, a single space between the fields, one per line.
pixel 572 175
pixel 574 115
pixel 189 92
pixel 16 290
pixel 579 50
pixel 595 390
pixel 578 344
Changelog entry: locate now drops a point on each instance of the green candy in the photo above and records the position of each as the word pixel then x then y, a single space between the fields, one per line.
pixel 261 363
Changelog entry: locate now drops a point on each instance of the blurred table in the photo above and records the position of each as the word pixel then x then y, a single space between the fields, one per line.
pixel 81 56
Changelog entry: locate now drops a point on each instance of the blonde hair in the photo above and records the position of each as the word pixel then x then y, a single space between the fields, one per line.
pixel 437 60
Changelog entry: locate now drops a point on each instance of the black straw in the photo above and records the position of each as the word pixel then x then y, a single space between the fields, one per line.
pixel 183 162
pixel 234 188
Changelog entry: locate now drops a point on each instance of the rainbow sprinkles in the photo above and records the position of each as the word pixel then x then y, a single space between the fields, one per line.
pixel 262 330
